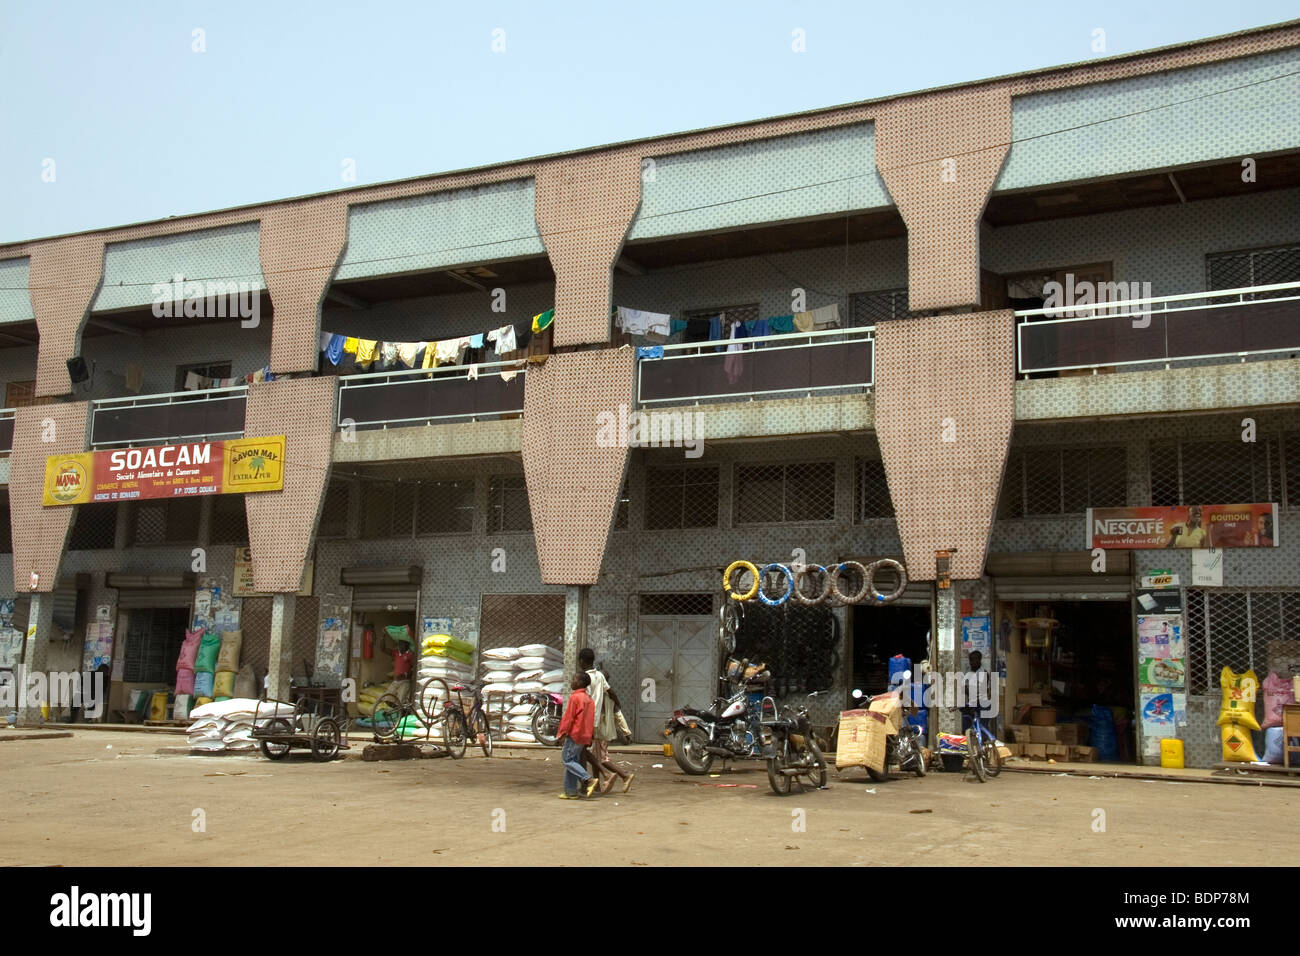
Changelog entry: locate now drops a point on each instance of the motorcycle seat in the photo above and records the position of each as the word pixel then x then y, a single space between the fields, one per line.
pixel 705 714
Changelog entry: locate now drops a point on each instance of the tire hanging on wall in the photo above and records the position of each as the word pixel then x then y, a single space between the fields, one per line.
pixel 789 585
pixel 858 596
pixel 726 580
pixel 800 575
pixel 898 569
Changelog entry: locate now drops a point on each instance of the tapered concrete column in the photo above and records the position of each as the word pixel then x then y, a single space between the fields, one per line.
pixel 280 667
pixel 575 627
pixel 36 652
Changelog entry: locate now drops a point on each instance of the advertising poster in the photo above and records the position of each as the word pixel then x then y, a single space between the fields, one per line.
pixel 1160 601
pixel 976 635
pixel 330 653
pixel 1207 568
pixel 98 649
pixel 1191 526
pixel 1157 712
pixel 1160 635
pixel 1162 671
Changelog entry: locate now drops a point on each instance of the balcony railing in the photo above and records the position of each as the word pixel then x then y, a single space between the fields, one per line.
pixel 795 363
pixel 201 415
pixel 6 430
pixel 1232 323
pixel 412 396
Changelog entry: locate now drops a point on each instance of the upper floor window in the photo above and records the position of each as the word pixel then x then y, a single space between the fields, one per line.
pixel 202 375
pixel 508 508
pixel 681 497
pixel 871 491
pixel 1053 480
pixel 797 492
pixel 1215 472
pixel 21 394
pixel 868 308
pixel 1239 270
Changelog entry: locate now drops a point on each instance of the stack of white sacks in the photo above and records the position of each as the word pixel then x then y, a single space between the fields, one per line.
pixel 446 658
pixel 513 671
pixel 227 725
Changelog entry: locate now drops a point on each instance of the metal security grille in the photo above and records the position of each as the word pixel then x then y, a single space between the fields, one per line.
pixel 255 623
pixel 1215 472
pixel 681 497
pixel 1243 630
pixel 800 645
pixel 871 491
pixel 798 492
pixel 1236 270
pixel 446 507
pixel 512 620
pixel 388 509
pixel 94 527
pixel 166 522
pixel 677 605
pixel 1291 469
pixel 1054 480
pixel 334 510
pixel 228 524
pixel 153 642
pixel 623 509
pixel 508 508
pixel 868 308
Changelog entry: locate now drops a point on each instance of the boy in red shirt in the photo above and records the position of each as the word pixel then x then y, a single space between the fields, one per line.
pixel 576 728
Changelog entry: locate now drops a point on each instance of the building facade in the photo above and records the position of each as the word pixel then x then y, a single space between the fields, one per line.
pixel 942 417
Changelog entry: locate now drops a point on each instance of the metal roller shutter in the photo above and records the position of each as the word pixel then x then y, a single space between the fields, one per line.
pixel 128 598
pixel 385 597
pixel 1097 587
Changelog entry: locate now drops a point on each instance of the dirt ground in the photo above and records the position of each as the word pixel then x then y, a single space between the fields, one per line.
pixel 101 798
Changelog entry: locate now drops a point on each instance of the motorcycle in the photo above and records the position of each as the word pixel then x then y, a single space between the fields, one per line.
pixel 904 749
pixel 546 714
pixel 795 751
pixel 730 729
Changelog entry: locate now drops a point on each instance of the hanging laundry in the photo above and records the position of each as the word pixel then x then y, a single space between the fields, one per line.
pixel 366 351
pixel 758 328
pixel 523 334
pixel 134 378
pixel 677 325
pixel 650 352
pixel 408 352
pixel 715 328
pixel 638 322
pixel 334 351
pixel 827 317
pixel 509 374
pixel 504 338
pixel 324 340
pixel 350 345
pixel 542 321
pixel 476 341
pixel 388 354
pixel 430 356
pixel 781 324
pixel 473 371
pixel 803 321
pixel 194 381
pixel 697 330
pixel 734 364
pixel 447 352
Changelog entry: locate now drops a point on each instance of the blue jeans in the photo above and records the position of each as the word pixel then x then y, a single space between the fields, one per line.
pixel 575 774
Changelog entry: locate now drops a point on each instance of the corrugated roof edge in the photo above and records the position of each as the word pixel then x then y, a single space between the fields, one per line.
pixel 13 249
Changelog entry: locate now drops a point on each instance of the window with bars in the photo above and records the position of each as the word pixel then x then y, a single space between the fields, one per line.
pixel 871 491
pixel 153 642
pixel 388 509
pixel 1054 480
pixel 228 523
pixel 446 507
pixel 94 527
pixel 621 511
pixel 681 497
pixel 1237 270
pixel 7 535
pixel 1215 472
pixel 677 605
pixel 174 521
pixel 797 492
pixel 868 308
pixel 334 510
pixel 508 508
pixel 510 620
pixel 1243 630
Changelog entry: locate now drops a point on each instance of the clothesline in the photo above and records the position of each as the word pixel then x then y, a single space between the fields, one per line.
pixel 659 327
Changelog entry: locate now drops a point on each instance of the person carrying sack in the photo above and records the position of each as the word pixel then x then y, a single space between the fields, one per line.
pixel 606 728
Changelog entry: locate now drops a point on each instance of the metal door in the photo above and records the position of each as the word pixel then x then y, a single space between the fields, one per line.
pixel 680 655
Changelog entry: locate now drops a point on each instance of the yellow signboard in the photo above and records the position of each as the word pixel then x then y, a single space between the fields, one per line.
pixel 254 464
pixel 68 479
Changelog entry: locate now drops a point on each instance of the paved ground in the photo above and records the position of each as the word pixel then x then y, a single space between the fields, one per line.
pixel 103 798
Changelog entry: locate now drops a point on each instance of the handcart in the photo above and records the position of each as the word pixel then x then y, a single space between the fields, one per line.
pixel 314 725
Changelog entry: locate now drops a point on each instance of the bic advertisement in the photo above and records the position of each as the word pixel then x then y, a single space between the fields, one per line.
pixel 1190 526
pixel 166 471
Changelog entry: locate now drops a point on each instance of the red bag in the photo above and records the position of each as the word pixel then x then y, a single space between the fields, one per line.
pixel 402 662
pixel 368 644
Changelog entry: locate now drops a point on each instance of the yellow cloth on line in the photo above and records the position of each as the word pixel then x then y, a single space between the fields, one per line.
pixel 366 350
pixel 350 345
pixel 431 356
pixel 803 321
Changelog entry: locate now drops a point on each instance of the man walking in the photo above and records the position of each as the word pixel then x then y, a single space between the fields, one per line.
pixel 575 731
pixel 603 701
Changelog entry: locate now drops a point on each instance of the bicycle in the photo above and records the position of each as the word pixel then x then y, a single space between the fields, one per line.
pixel 476 721
pixel 431 708
pixel 982 748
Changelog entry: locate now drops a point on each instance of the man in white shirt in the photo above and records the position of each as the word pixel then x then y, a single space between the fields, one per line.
pixel 604 701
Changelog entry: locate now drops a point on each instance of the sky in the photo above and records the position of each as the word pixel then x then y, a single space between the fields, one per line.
pixel 122 112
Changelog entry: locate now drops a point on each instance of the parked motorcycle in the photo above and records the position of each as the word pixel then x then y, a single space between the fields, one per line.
pixel 546 714
pixel 731 729
pixel 904 749
pixel 795 751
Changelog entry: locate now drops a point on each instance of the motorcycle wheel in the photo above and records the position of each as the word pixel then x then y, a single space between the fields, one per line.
pixel 544 728
pixel 816 776
pixel 689 752
pixel 976 756
pixel 780 782
pixel 891 754
pixel 918 760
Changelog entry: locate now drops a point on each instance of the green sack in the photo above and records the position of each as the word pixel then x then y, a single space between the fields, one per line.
pixel 206 659
pixel 401 633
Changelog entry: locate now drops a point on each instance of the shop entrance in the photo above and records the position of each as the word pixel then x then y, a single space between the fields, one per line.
pixel 372 659
pixel 677 648
pixel 1087 662
pixel 153 642
pixel 880 633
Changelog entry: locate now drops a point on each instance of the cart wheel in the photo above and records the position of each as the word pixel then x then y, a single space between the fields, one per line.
pixel 325 740
pixel 273 750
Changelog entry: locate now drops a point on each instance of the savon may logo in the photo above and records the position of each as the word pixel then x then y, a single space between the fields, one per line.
pixel 255 463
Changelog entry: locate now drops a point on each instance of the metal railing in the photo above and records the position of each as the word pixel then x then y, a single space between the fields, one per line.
pixel 411 396
pixel 1231 323
pixel 6 430
pixel 194 415
pixel 797 362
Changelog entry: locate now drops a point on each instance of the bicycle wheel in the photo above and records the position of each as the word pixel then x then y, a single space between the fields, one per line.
pixel 429 697
pixel 992 759
pixel 455 732
pixel 976 754
pixel 387 717
pixel 481 731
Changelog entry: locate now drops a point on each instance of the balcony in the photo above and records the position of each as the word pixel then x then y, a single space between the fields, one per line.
pixel 6 430
pixel 415 396
pixel 1199 326
pixel 802 363
pixel 203 415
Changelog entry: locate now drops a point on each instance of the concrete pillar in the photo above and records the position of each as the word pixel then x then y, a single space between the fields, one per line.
pixel 575 626
pixel 948 719
pixel 36 651
pixel 280 666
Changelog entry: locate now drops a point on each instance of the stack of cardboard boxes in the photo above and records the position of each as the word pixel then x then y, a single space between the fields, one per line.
pixel 1035 734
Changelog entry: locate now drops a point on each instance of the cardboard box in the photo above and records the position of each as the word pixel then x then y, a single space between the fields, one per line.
pixel 1043 735
pixel 1026 698
pixel 1035 751
pixel 1014 750
pixel 1084 754
pixel 1020 733
pixel 1058 752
